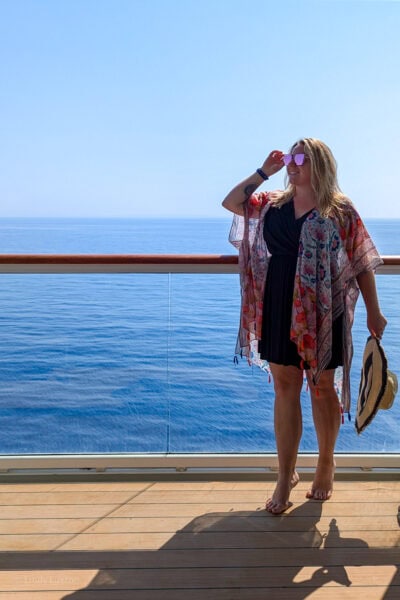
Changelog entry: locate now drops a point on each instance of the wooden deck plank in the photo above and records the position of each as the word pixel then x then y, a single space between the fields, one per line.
pixel 43 526
pixel 235 522
pixel 324 593
pixel 267 485
pixel 52 580
pixel 88 486
pixel 329 509
pixel 307 539
pixel 123 486
pixel 13 543
pixel 100 497
pixel 102 486
pixel 63 511
pixel 217 496
pixel 57 511
pixel 209 557
pixel 195 578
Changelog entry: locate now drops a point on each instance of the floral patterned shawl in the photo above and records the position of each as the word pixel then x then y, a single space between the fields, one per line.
pixel 331 255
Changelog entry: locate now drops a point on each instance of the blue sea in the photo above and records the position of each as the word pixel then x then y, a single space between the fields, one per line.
pixel 144 362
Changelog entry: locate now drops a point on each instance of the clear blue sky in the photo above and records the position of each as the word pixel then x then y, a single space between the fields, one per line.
pixel 123 108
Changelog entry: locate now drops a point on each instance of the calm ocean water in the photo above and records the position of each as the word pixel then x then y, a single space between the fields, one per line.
pixel 143 363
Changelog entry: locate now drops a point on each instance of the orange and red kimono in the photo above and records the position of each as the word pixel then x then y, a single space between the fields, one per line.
pixel 331 255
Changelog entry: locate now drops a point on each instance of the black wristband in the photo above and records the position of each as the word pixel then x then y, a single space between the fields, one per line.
pixel 262 174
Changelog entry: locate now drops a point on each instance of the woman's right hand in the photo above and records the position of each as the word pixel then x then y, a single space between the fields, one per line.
pixel 273 163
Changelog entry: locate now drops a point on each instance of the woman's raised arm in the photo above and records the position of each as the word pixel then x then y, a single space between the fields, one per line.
pixel 236 198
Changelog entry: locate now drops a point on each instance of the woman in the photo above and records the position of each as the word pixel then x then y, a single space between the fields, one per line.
pixel 304 254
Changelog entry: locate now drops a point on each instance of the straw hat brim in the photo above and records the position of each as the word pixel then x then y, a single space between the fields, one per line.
pixel 378 385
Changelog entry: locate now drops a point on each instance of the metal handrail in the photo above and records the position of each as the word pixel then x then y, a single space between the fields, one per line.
pixel 138 263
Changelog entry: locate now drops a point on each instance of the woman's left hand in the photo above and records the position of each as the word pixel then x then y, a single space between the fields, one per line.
pixel 376 324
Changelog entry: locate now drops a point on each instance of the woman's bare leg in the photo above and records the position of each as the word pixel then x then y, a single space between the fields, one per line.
pixel 326 415
pixel 288 382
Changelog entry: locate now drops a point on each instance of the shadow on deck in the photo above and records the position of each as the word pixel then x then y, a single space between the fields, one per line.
pixel 230 555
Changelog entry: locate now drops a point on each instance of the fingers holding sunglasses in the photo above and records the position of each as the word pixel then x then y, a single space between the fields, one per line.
pixel 273 163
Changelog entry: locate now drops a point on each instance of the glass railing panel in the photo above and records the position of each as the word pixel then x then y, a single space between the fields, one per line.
pixel 216 406
pixel 383 434
pixel 83 363
pixel 143 363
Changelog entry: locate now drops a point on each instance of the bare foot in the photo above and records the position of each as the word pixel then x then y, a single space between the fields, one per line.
pixel 279 502
pixel 322 486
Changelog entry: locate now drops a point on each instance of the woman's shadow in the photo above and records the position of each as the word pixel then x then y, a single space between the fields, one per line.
pixel 238 550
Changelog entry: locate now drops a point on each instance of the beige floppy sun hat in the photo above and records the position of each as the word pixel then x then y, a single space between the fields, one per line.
pixel 378 385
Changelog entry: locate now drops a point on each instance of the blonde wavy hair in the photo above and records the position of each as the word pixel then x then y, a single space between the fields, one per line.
pixel 330 199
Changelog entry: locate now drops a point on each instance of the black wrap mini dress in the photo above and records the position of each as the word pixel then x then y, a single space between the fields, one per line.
pixel 282 234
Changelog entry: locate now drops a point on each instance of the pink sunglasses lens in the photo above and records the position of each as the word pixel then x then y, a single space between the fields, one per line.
pixel 287 159
pixel 299 159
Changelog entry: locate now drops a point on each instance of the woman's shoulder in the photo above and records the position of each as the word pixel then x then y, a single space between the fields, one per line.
pixel 344 211
pixel 347 205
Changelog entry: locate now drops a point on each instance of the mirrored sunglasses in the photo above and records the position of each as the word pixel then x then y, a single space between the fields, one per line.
pixel 297 158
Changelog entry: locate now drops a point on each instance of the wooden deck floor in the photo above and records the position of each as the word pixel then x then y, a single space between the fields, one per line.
pixel 197 540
